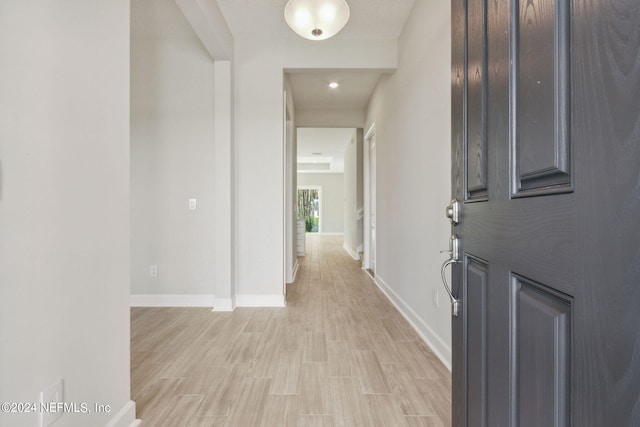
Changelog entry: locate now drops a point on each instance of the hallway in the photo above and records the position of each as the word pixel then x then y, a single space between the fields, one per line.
pixel 339 354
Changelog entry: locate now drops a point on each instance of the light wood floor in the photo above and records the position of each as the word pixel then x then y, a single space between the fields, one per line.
pixel 339 354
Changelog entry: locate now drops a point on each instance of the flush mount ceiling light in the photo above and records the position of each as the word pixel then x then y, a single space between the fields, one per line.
pixel 333 85
pixel 316 19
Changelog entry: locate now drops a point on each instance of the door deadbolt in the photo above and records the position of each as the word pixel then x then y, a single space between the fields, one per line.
pixel 453 212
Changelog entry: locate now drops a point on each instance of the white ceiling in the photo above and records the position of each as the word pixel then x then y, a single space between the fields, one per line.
pixel 370 19
pixel 311 88
pixel 330 143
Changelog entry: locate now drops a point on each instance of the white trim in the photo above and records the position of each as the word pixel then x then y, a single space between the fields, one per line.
pixel 366 193
pixel 330 233
pixel 125 417
pixel 250 300
pixel 287 208
pixel 370 132
pixel 350 251
pixel 435 343
pixel 165 300
pixel 296 266
pixel 220 304
pixel 223 304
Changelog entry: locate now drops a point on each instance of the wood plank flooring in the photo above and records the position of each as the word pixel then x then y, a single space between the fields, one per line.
pixel 339 354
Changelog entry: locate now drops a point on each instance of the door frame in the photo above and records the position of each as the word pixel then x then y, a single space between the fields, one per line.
pixel 366 193
pixel 289 219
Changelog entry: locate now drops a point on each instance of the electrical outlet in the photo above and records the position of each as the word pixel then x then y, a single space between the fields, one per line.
pixel 50 412
pixel 436 298
pixel 153 270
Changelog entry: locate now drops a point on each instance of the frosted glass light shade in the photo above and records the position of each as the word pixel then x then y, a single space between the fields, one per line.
pixel 316 19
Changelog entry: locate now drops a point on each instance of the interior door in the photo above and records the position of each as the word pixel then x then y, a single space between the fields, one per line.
pixel 546 165
pixel 372 204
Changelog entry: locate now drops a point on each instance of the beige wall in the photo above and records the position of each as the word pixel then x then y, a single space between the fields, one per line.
pixel 411 111
pixel 172 154
pixel 64 206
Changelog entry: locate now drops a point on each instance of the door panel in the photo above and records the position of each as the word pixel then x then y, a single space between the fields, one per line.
pixel 541 325
pixel 476 151
pixel 540 73
pixel 546 159
pixel 476 290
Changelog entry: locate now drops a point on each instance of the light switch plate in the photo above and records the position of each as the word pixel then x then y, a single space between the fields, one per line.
pixel 49 397
pixel 193 204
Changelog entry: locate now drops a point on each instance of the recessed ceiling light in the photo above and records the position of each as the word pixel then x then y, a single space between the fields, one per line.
pixel 316 154
pixel 333 85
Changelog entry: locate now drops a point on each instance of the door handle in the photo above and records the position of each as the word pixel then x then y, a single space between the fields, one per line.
pixel 455 303
pixel 454 257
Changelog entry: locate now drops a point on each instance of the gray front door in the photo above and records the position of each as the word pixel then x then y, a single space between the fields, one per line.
pixel 546 164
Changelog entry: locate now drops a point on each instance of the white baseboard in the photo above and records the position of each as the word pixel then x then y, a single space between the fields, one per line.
pixel 249 300
pixel 350 251
pixel 165 300
pixel 223 304
pixel 295 271
pixel 437 345
pixel 219 304
pixel 331 233
pixel 125 417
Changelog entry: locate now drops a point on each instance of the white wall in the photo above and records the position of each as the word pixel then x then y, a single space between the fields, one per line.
pixel 259 149
pixel 411 111
pixel 64 205
pixel 343 117
pixel 332 213
pixel 172 153
pixel 353 175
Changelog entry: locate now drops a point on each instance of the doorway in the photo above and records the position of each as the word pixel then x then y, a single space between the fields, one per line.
pixel 310 207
